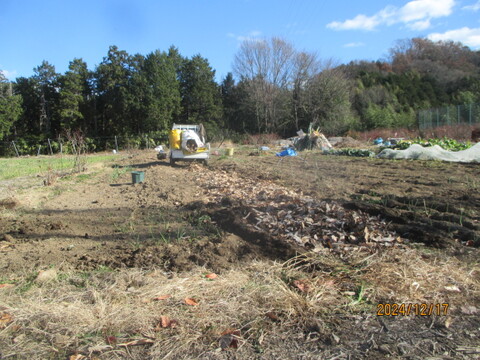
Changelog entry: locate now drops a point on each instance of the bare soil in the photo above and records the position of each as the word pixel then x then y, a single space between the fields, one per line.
pixel 187 217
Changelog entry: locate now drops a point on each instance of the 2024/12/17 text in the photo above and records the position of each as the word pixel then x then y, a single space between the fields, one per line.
pixel 412 309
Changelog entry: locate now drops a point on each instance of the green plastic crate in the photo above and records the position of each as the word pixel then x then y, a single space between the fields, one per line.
pixel 138 177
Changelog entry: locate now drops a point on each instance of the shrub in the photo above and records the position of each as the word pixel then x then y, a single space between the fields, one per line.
pixel 445 143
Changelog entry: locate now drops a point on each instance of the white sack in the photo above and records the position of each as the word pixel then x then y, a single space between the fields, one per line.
pixel 190 135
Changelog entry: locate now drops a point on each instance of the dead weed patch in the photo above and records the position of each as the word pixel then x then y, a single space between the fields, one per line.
pixel 99 312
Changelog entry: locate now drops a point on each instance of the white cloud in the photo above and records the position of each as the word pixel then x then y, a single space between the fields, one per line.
pixel 354 45
pixel 425 9
pixel 10 75
pixel 420 25
pixel 358 22
pixel 252 35
pixel 465 35
pixel 415 14
pixel 473 7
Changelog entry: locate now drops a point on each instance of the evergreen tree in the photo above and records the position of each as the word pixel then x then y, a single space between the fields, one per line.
pixel 10 106
pixel 201 98
pixel 113 77
pixel 238 107
pixel 45 83
pixel 162 91
pixel 28 122
pixel 74 97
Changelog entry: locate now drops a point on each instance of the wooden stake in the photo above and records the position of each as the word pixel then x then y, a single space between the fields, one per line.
pixel 50 145
pixel 15 147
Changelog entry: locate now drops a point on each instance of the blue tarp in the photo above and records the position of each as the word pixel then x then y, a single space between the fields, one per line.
pixel 287 152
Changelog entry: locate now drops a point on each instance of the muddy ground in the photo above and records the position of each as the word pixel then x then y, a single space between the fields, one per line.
pixel 187 216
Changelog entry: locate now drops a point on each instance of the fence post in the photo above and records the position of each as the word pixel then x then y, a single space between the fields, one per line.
pixel 39 148
pixel 60 145
pixel 116 144
pixel 50 146
pixel 15 147
pixel 470 115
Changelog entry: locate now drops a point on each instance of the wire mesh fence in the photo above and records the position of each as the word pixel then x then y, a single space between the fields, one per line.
pixel 25 146
pixel 453 115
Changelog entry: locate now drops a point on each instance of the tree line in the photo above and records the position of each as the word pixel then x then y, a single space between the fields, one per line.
pixel 273 88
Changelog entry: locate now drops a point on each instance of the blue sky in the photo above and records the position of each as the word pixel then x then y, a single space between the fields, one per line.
pixel 60 30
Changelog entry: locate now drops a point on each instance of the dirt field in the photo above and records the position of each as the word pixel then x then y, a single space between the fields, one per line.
pixel 306 253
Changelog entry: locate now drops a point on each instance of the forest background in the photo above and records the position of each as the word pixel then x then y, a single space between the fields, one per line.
pixel 273 89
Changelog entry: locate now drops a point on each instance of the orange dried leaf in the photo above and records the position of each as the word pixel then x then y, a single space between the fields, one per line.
pixel 5 319
pixel 161 297
pixel 137 342
pixel 166 322
pixel 231 332
pixel 77 357
pixel 272 316
pixel 301 285
pixel 191 302
pixel 4 286
pixel 211 276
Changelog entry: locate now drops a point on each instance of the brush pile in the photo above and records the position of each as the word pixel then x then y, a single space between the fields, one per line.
pixel 290 216
pixel 313 140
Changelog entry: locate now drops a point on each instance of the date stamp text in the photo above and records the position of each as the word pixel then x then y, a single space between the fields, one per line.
pixel 412 309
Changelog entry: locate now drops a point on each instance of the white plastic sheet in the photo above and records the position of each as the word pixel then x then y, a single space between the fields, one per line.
pixel 416 151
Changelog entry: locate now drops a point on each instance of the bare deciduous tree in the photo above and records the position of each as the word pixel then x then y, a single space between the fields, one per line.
pixel 267 66
pixel 305 67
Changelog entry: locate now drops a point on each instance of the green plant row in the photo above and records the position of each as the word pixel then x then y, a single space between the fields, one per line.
pixel 350 152
pixel 445 143
pixel 24 166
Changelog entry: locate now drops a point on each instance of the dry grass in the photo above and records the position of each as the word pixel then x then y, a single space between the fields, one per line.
pixel 401 275
pixel 9 203
pixel 411 276
pixel 79 312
